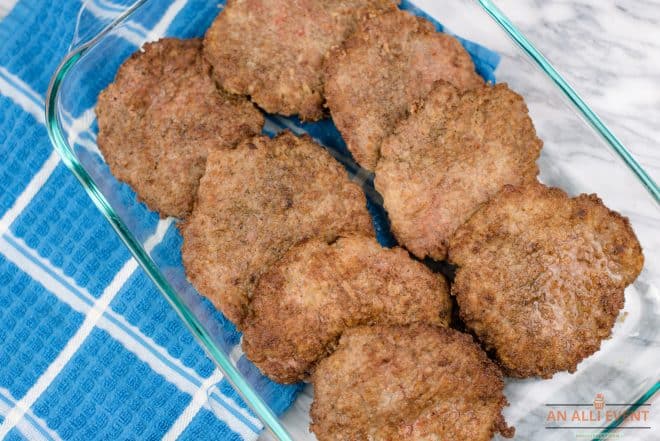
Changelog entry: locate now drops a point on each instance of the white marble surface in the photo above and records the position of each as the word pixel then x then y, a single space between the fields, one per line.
pixel 609 50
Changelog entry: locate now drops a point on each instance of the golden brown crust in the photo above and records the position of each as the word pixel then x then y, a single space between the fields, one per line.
pixel 273 50
pixel 416 382
pixel 305 301
pixel 541 276
pixel 161 117
pixel 382 70
pixel 256 202
pixel 451 155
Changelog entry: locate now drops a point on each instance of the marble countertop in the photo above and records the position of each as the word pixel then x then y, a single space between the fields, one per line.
pixel 609 51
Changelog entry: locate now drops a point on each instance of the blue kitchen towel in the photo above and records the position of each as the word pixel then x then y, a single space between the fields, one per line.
pixel 89 349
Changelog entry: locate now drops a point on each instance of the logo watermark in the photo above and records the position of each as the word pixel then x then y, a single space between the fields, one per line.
pixel 588 420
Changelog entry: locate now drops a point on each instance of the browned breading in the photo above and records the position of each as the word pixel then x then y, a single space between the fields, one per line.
pixel 382 70
pixel 417 382
pixel 455 152
pixel 161 117
pixel 541 276
pixel 256 202
pixel 305 301
pixel 273 50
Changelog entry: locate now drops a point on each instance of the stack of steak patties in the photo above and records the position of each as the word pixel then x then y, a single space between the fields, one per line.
pixel 279 238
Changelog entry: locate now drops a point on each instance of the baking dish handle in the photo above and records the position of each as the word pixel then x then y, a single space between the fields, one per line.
pixel 95 17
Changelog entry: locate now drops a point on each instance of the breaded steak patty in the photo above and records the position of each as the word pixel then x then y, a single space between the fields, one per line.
pixel 161 117
pixel 417 382
pixel 302 305
pixel 541 276
pixel 451 155
pixel 381 71
pixel 273 50
pixel 257 201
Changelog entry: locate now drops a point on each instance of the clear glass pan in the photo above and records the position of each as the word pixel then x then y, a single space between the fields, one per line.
pixel 580 155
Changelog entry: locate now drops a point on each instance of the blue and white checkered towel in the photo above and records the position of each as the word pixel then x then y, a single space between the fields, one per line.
pixel 88 348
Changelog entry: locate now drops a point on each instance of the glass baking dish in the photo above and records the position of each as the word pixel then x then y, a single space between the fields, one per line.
pixel 580 155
